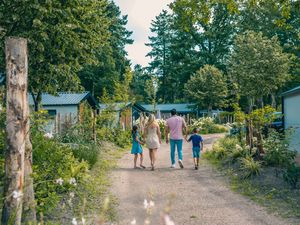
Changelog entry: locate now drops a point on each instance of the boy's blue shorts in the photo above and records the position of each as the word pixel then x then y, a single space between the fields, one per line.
pixel 196 152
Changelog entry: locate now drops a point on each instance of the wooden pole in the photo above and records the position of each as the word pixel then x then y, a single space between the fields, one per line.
pixel 16 123
pixel 29 204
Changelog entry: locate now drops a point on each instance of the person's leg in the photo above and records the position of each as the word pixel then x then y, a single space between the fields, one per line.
pixel 172 145
pixel 154 151
pixel 179 150
pixel 150 156
pixel 141 160
pixel 135 159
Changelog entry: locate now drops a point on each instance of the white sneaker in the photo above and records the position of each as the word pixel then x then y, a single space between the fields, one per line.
pixel 180 164
pixel 173 166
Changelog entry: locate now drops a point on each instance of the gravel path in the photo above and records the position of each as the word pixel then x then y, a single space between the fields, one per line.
pixel 197 197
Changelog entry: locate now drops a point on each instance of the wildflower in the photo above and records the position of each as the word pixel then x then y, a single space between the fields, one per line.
pixel 73 181
pixel 72 194
pixel 60 181
pixel 83 220
pixel 133 222
pixel 168 221
pixel 17 195
pixel 151 204
pixel 74 221
pixel 146 204
pixel 48 135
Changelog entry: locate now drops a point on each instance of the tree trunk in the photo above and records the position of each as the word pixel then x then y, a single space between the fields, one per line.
pixel 273 98
pixel 209 110
pixel 16 123
pixel 29 212
pixel 36 100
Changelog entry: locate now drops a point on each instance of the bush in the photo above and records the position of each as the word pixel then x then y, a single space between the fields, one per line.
pixel 87 152
pixel 53 161
pixel 162 126
pixel 207 126
pixel 228 148
pixel 250 167
pixel 277 150
pixel 121 138
pixel 292 175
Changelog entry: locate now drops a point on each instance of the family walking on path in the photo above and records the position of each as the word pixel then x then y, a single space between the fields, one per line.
pixel 176 127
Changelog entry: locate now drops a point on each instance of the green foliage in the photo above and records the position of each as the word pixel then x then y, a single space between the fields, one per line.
pixel 277 150
pixel 162 126
pixel 121 138
pixel 251 49
pixel 62 34
pixel 60 163
pixel 142 86
pixel 250 167
pixel 262 117
pixel 207 88
pixel 292 175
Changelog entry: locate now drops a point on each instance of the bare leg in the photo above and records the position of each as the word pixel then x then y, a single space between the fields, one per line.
pixel 150 155
pixel 135 159
pixel 141 161
pixel 154 151
pixel 198 161
pixel 195 161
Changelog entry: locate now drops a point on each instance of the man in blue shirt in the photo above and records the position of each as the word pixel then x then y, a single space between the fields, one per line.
pixel 197 141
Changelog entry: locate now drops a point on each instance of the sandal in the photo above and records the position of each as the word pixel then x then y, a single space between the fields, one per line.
pixel 142 166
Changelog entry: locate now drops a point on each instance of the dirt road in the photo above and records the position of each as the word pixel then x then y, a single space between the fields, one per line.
pixel 197 197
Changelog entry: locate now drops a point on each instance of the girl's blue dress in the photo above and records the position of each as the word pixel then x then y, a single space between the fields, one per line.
pixel 136 146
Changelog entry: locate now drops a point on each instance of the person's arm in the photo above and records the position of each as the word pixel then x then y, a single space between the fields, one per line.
pixel 145 134
pixel 184 127
pixel 167 133
pixel 202 145
pixel 159 134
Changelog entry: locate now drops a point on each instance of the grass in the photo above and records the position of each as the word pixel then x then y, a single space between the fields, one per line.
pixel 266 189
pixel 93 199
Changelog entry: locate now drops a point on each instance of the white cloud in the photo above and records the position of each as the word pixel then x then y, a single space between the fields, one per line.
pixel 140 14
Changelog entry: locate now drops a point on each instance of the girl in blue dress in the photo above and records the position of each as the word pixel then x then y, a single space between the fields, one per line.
pixel 137 147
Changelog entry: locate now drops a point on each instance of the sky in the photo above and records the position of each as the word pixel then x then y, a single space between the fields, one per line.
pixel 140 14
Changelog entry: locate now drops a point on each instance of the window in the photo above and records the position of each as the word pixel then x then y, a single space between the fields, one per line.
pixel 52 112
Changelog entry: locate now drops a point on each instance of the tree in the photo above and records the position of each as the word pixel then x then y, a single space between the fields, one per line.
pixel 275 18
pixel 112 61
pixel 62 38
pixel 160 52
pixel 139 85
pixel 207 88
pixel 258 65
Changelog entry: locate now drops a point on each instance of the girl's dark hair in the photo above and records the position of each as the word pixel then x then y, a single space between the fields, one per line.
pixel 134 129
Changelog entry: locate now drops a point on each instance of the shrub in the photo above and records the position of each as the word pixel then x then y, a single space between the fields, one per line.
pixel 162 126
pixel 87 152
pixel 250 167
pixel 277 150
pixel 237 153
pixel 121 138
pixel 207 125
pixel 51 162
pixel 292 175
pixel 219 152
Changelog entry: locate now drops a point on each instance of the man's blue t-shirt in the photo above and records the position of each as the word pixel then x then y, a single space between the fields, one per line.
pixel 196 139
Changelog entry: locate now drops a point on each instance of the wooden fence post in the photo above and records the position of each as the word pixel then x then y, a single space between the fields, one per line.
pixel 16 123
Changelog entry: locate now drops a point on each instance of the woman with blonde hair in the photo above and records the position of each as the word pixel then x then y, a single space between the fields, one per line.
pixel 152 136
